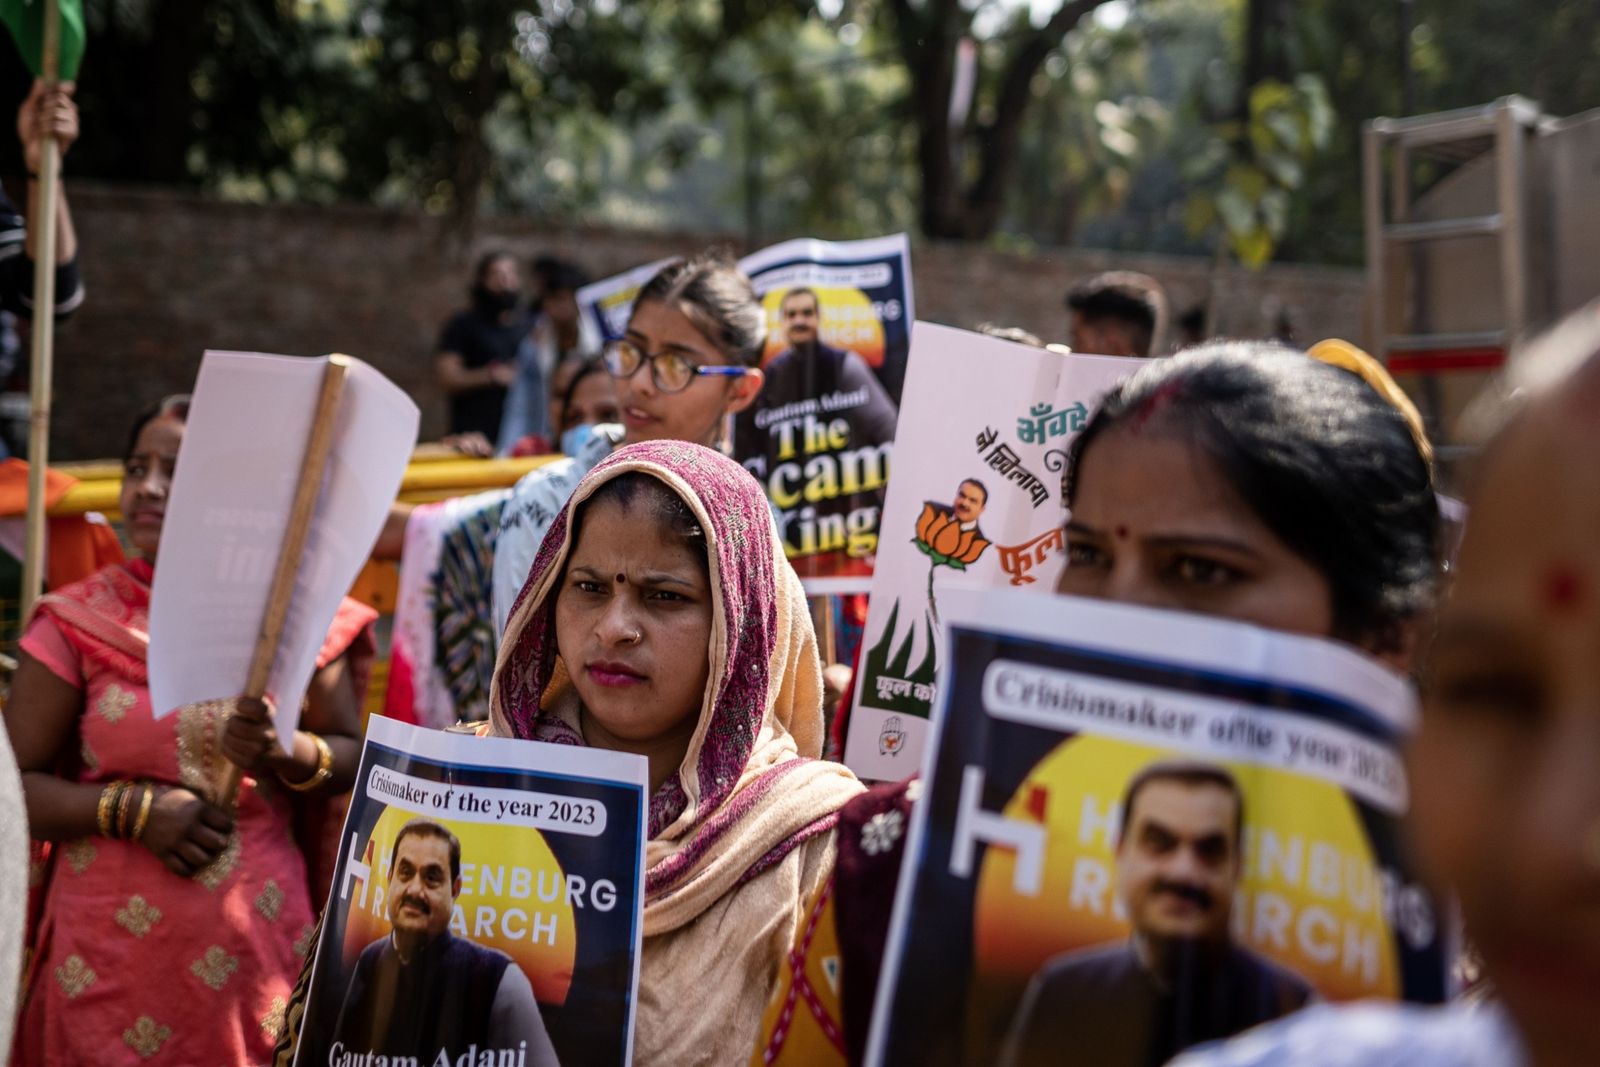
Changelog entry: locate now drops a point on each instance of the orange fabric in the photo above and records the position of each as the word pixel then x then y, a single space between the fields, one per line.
pixel 802 1021
pixel 14 487
pixel 78 548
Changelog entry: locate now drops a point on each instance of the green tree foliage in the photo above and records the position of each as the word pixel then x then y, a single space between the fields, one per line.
pixel 1091 120
pixel 966 166
pixel 1247 176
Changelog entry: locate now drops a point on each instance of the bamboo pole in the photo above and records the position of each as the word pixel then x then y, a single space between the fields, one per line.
pixel 312 468
pixel 822 622
pixel 43 227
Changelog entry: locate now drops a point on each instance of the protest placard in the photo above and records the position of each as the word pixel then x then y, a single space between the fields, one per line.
pixel 820 434
pixel 604 306
pixel 1139 830
pixel 487 906
pixel 976 500
pixel 229 509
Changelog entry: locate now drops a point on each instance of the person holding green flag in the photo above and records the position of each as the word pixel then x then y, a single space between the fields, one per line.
pixel 49 109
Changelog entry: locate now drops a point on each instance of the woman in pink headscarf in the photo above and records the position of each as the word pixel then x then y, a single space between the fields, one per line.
pixel 661 618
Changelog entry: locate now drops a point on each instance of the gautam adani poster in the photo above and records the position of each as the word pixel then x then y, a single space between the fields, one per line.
pixel 486 909
pixel 1141 830
pixel 820 434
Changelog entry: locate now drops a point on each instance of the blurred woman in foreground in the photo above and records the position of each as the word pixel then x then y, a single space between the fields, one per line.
pixel 1505 770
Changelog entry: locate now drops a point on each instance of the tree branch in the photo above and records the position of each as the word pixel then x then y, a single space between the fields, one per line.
pixel 999 139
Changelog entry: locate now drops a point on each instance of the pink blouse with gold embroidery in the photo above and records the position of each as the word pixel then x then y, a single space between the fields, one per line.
pixel 131 963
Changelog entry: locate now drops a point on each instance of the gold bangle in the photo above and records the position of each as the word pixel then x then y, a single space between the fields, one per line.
pixel 102 815
pixel 144 811
pixel 116 809
pixel 124 806
pixel 324 769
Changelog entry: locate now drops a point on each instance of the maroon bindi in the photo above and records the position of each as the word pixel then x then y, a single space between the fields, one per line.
pixel 622 579
pixel 1563 590
pixel 1121 532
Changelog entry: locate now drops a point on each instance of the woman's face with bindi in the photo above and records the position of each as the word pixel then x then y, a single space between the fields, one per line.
pixel 1505 769
pixel 633 627
pixel 146 480
pixel 1155 522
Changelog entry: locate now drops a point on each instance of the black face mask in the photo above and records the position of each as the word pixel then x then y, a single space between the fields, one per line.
pixel 493 302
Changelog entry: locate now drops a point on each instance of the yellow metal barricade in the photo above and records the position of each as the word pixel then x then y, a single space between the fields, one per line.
pixel 434 474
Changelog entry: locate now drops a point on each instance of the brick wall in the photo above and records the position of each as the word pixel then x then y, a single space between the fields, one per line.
pixel 170 275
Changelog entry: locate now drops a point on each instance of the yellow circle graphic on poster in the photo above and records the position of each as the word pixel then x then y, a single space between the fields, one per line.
pixel 844 319
pixel 514 897
pixel 1308 893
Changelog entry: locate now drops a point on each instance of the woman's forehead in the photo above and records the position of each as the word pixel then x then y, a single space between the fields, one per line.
pixel 160 436
pixel 633 528
pixel 1533 531
pixel 593 389
pixel 1160 482
pixel 661 325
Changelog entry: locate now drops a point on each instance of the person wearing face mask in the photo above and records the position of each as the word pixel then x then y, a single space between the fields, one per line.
pixel 475 359
pixel 588 399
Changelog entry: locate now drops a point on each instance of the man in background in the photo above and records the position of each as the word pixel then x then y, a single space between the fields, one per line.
pixel 553 339
pixel 1118 313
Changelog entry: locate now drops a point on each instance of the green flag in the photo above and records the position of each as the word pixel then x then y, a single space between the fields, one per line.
pixel 25 20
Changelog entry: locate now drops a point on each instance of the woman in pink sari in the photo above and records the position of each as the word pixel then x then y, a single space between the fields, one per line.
pixel 168 931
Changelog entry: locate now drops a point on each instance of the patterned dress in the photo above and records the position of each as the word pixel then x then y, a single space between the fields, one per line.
pixel 130 963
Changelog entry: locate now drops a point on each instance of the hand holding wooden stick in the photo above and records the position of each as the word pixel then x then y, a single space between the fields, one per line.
pixel 319 444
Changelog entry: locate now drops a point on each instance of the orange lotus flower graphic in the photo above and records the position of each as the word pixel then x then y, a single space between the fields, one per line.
pixel 941 538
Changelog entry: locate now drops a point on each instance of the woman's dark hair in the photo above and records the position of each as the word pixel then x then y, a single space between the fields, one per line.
pixel 1320 458
pixel 664 505
pixel 592 365
pixel 714 294
pixel 171 407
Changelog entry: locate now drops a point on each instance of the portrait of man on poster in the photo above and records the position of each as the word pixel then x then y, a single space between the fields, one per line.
pixel 421 991
pixel 811 368
pixel 1179 979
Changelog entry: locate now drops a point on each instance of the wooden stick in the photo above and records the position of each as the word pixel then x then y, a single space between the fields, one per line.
pixel 312 468
pixel 43 227
pixel 822 621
